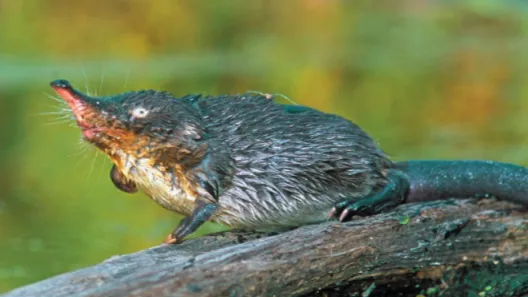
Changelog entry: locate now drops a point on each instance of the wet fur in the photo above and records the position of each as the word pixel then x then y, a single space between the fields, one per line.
pixel 279 169
pixel 268 166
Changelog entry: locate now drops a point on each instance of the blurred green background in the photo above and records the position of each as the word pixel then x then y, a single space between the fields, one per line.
pixel 426 78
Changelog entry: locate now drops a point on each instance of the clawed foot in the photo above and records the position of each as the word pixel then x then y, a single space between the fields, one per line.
pixel 390 196
pixel 345 210
pixel 183 229
pixel 188 225
pixel 170 239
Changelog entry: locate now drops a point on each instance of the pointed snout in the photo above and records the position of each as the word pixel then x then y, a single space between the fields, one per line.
pixel 84 107
pixel 72 96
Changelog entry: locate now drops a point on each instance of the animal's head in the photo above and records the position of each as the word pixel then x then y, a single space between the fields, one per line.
pixel 142 124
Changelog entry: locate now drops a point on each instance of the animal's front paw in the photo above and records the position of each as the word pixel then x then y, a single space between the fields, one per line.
pixel 202 212
pixel 171 239
pixel 179 233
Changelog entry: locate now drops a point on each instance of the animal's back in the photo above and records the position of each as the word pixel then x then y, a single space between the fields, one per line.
pixel 291 167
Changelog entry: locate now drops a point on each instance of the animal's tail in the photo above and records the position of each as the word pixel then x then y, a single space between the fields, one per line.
pixel 436 180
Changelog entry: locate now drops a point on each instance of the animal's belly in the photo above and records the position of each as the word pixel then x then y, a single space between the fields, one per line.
pixel 257 217
pixel 251 211
pixel 168 196
pixel 250 217
pixel 171 200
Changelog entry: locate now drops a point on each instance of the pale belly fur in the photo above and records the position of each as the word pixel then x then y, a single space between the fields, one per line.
pixel 233 211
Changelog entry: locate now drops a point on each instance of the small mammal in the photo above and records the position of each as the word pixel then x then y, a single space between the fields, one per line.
pixel 248 162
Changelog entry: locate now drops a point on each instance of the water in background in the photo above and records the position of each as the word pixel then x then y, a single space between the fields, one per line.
pixel 428 79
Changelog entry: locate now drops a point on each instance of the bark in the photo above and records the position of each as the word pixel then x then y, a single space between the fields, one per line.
pixel 449 248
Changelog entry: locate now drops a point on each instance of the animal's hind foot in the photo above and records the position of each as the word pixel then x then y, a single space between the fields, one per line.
pixel 345 210
pixel 392 195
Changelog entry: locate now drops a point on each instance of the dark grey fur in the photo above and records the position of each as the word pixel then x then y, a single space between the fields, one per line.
pixel 291 168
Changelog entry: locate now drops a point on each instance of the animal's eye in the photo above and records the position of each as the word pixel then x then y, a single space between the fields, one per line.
pixel 139 112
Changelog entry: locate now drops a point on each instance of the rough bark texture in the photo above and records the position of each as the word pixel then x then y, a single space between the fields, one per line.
pixel 450 248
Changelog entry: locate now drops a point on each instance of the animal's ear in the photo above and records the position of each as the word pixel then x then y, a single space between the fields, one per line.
pixel 121 182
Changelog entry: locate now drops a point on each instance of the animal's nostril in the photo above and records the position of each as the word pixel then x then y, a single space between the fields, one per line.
pixel 61 84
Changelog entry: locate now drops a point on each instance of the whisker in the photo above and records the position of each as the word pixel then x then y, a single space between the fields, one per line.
pixel 66 117
pixel 46 113
pixel 61 122
pixel 101 84
pixel 83 148
pixel 101 170
pixel 92 165
pixel 56 98
pixel 61 114
pixel 83 156
pixel 62 104
pixel 126 78
pixel 85 80
pixel 74 125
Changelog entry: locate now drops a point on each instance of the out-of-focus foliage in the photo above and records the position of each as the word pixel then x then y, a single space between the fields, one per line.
pixel 428 79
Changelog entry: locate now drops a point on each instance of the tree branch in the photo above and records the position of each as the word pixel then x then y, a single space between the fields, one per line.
pixel 454 248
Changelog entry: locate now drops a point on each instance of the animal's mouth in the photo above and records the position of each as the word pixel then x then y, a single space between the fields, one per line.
pixel 92 133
